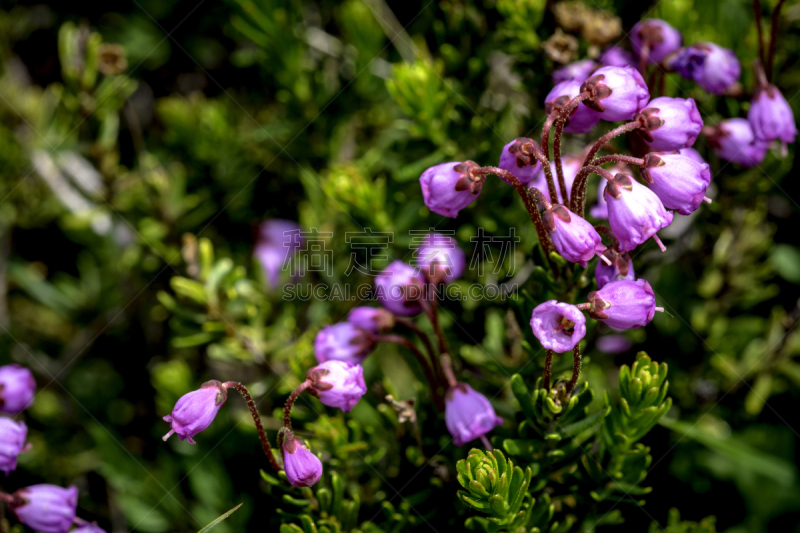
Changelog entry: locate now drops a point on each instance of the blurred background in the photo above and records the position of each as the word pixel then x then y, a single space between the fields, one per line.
pixel 142 143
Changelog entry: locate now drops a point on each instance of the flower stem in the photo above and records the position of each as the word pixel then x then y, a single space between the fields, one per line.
pixel 579 187
pixel 287 410
pixel 425 340
pixel 619 159
pixel 447 365
pixel 776 14
pixel 257 419
pixel 576 369
pixel 560 122
pixel 548 364
pixel 630 126
pixel 605 230
pixel 486 443
pixel 759 28
pixel 433 382
pixel 548 124
pixel 530 206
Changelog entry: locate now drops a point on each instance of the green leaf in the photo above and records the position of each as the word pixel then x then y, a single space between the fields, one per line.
pixel 785 259
pixel 218 520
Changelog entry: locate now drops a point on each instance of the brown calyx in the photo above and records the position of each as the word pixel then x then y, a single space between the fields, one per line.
pixel 618 183
pixel 651 160
pixel 315 376
pixel 523 149
pixel 598 306
pixel 469 181
pixel 557 210
pixel 597 92
pixel 648 121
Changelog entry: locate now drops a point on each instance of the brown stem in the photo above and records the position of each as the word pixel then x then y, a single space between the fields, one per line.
pixel 562 120
pixel 426 341
pixel 630 126
pixel 619 159
pixel 576 369
pixel 433 382
pixel 287 410
pixel 643 58
pixel 605 230
pixel 257 419
pixel 776 14
pixel 548 364
pixel 530 206
pixel 548 123
pixel 447 365
pixel 759 28
pixel 579 187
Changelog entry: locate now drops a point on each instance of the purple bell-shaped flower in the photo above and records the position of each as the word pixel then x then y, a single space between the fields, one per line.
pixel 655 39
pixel 440 258
pixel 578 71
pixel 635 213
pixel 615 56
pixel 670 123
pixel 337 384
pixel 517 159
pixel 46 508
pixel 468 415
pixel 574 238
pixel 733 140
pixel 399 288
pixel 624 304
pixel 771 117
pixel 303 468
pixel 679 181
pixel 558 326
pixel 278 240
pixel 343 342
pixel 712 67
pixel 195 410
pixel 621 267
pixel 617 93
pixel 450 187
pixel 12 443
pixel 372 319
pixel 17 388
pixel 582 119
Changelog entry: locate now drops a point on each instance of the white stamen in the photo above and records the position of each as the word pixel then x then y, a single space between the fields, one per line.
pixel 659 243
pixel 660 309
pixel 605 259
pixel 706 199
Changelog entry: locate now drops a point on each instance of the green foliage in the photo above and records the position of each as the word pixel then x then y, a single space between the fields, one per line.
pixel 675 525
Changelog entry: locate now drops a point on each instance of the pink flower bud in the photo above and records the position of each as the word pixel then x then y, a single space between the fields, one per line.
pixel 278 240
pixel 771 117
pixel 516 159
pixel 574 238
pixel 558 326
pixel 303 468
pixel 372 319
pixel 46 508
pixel 195 410
pixel 468 415
pixel 656 39
pixel 337 384
pixel 343 342
pixel 712 67
pixel 399 288
pixel 615 56
pixel 450 187
pixel 577 71
pixel 670 123
pixel 582 119
pixel 440 258
pixel 733 140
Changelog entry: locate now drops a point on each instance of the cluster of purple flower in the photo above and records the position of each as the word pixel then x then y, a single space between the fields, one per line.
pixel 45 508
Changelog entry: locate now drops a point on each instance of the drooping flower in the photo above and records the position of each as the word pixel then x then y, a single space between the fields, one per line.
pixel 615 56
pixel 712 67
pixel 574 238
pixel 558 326
pixel 399 287
pixel 617 93
pixel 692 154
pixel 278 240
pixel 670 123
pixel 194 411
pixel 621 267
pixel 17 388
pixel 337 384
pixel 514 159
pixel 450 187
pixel 440 258
pixel 771 117
pixel 468 415
pixel 343 342
pixel 46 508
pixel 733 140
pixel 600 209
pixel 635 213
pixel 581 119
pixel 679 181
pixel 655 39
pixel 303 468
pixel 372 319
pixel 624 304
pixel 579 71
pixel 12 442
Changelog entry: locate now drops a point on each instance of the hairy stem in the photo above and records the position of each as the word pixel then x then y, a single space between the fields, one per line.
pixel 605 230
pixel 619 159
pixel 262 435
pixel 548 365
pixel 548 124
pixel 630 126
pixel 576 369
pixel 287 410
pixel 426 341
pixel 579 187
pixel 562 120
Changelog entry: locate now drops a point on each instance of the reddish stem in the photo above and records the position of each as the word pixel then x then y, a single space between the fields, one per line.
pixel 578 201
pixel 605 230
pixel 425 340
pixel 548 123
pixel 776 14
pixel 576 369
pixel 619 159
pixel 759 28
pixel 433 382
pixel 262 435
pixel 548 364
pixel 562 120
pixel 287 410
pixel 630 126
pixel 447 365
